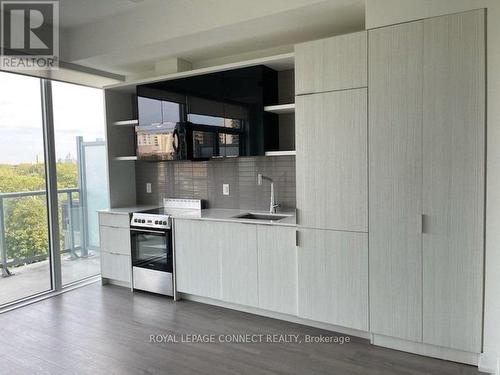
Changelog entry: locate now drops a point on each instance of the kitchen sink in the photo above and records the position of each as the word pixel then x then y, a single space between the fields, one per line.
pixel 261 216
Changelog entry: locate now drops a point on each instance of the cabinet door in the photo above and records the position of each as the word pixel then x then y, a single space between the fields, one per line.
pixel 115 240
pixel 116 267
pixel 331 161
pixel 238 249
pixel 197 259
pixel 453 180
pixel 333 277
pixel 114 220
pixel 395 127
pixel 330 64
pixel 277 256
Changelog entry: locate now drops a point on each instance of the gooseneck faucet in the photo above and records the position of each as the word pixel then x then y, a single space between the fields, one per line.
pixel 272 205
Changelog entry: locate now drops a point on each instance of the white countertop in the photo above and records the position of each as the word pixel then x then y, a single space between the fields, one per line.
pixel 227 215
pixel 214 214
pixel 126 210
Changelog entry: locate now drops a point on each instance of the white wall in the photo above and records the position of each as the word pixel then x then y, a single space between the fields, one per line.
pixel 386 12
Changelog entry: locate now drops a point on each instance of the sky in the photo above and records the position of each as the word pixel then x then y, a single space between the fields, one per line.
pixel 78 111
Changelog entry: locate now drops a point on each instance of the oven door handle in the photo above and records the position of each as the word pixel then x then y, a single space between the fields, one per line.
pixel 148 231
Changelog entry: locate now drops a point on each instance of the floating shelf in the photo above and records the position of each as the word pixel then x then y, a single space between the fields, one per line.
pixel 280 153
pixel 130 158
pixel 280 108
pixel 126 123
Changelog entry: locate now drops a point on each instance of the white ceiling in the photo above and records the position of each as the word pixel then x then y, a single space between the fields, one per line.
pixel 74 13
pixel 128 36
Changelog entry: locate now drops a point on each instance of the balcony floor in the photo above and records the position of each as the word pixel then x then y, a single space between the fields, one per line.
pixel 35 278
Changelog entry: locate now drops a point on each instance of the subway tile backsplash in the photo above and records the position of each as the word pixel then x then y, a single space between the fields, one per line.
pixel 203 180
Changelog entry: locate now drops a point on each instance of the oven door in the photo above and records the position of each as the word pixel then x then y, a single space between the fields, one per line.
pixel 152 249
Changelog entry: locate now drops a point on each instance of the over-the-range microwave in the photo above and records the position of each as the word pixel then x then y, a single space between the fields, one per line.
pixel 164 141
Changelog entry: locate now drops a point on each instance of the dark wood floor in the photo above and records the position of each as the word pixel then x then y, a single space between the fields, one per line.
pixel 106 330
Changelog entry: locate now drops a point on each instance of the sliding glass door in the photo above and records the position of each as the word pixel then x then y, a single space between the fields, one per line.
pixel 24 245
pixel 43 121
pixel 81 176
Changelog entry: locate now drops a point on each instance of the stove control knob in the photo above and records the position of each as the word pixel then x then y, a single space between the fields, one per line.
pixel 164 223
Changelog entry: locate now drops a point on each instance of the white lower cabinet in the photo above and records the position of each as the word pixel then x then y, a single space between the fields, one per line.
pixel 197 257
pixel 277 256
pixel 324 279
pixel 217 260
pixel 333 277
pixel 115 240
pixel 116 267
pixel 116 264
pixel 246 264
pixel 238 259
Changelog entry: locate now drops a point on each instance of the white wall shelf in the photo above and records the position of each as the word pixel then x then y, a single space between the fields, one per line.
pixel 126 123
pixel 280 108
pixel 281 153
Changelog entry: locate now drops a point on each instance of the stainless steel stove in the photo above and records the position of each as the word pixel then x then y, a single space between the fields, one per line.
pixel 153 255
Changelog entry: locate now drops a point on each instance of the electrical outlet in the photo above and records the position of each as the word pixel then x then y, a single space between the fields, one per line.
pixel 148 187
pixel 225 189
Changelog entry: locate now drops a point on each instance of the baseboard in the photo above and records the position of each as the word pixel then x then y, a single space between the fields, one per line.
pixel 123 284
pixel 489 363
pixel 428 350
pixel 276 315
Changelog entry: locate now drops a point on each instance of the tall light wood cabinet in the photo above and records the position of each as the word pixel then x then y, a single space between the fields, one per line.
pixel 331 161
pixel 427 156
pixel 395 126
pixel 332 179
pixel 453 179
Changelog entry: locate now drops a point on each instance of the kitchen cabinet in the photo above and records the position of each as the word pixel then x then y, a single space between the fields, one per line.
pixel 427 156
pixel 197 257
pixel 116 267
pixel 115 240
pixel 116 264
pixel 238 259
pixel 395 91
pixel 335 63
pixel 246 264
pixel 217 260
pixel 453 179
pixel 333 277
pixel 331 161
pixel 277 269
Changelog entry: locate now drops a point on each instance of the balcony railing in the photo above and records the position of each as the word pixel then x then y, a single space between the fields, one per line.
pixel 69 222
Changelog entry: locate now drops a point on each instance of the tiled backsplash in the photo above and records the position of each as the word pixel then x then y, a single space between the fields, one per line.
pixel 203 180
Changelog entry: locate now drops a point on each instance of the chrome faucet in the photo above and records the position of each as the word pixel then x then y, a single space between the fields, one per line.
pixel 272 205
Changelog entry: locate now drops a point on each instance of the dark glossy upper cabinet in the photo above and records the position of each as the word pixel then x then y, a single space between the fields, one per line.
pixel 225 110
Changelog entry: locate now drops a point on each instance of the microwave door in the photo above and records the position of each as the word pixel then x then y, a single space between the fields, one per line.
pixel 158 142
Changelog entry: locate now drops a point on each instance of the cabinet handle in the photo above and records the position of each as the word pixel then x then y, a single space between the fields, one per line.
pixel 424 224
pixel 296 238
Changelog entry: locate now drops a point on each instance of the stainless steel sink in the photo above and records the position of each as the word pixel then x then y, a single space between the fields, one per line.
pixel 261 216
